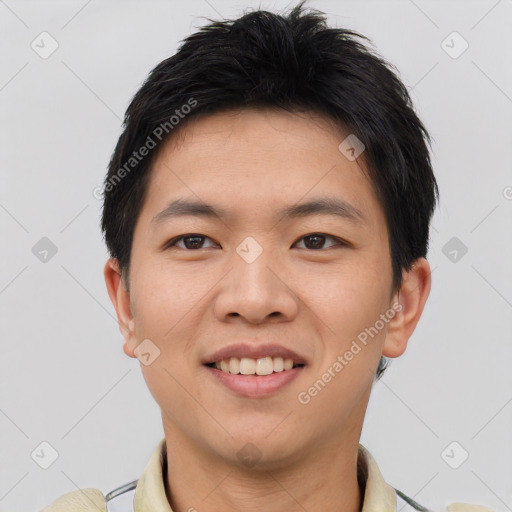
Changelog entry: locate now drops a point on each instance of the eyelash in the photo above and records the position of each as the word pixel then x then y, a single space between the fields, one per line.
pixel 175 240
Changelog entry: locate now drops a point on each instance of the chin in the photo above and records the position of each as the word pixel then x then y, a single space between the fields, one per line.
pixel 259 451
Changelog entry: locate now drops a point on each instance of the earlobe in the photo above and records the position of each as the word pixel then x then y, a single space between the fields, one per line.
pixel 409 302
pixel 120 298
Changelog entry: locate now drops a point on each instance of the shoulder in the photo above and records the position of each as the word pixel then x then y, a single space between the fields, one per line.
pixel 467 507
pixel 82 500
pixel 406 504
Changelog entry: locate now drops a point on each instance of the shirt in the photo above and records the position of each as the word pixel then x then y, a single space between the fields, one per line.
pixel 147 494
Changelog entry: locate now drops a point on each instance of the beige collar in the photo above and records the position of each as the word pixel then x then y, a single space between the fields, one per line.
pixel 150 492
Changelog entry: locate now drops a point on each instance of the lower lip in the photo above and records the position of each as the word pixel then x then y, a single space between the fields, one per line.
pixel 256 386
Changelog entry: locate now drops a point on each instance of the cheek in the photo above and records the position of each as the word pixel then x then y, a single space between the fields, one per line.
pixel 351 309
pixel 167 312
pixel 165 297
pixel 349 299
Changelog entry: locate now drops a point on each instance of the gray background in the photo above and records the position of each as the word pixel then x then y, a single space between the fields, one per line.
pixel 64 377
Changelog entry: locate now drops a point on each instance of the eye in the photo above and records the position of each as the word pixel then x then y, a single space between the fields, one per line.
pixel 315 240
pixel 194 241
pixel 191 241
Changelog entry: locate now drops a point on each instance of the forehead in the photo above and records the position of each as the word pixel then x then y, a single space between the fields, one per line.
pixel 256 161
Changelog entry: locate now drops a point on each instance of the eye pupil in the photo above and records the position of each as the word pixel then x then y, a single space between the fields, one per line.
pixel 194 244
pixel 318 243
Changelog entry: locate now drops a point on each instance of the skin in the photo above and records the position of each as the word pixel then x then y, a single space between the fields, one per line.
pixel 312 298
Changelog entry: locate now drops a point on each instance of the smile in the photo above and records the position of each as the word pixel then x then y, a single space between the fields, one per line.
pixel 249 366
pixel 251 384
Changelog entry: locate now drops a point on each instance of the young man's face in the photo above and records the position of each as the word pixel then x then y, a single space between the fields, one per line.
pixel 256 278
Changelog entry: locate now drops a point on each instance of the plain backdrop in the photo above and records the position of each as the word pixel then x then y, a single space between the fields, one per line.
pixel 64 379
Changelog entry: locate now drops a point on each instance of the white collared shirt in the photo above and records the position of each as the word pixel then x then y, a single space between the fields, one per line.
pixel 147 494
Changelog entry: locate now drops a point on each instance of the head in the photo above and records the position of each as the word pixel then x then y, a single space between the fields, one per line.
pixel 249 118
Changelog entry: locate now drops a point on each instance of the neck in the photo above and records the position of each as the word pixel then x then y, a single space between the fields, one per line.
pixel 325 478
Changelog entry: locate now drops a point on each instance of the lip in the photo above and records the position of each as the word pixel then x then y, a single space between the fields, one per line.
pixel 256 386
pixel 254 352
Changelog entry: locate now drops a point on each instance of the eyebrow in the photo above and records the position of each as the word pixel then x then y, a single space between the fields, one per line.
pixel 333 206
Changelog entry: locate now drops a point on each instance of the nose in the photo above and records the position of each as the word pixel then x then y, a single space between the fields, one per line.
pixel 256 291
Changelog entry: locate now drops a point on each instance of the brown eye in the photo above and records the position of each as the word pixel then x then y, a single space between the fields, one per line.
pixel 191 241
pixel 315 241
pixel 194 241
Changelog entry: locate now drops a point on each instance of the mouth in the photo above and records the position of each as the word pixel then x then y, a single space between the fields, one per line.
pixel 255 378
pixel 255 371
pixel 260 367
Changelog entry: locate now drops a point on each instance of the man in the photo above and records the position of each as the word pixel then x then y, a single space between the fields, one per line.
pixel 267 211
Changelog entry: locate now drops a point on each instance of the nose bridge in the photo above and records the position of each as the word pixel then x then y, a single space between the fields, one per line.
pixel 255 288
pixel 252 266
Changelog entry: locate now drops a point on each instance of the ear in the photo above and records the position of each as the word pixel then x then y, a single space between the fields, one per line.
pixel 409 302
pixel 120 298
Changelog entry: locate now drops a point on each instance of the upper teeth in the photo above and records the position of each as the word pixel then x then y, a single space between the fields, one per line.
pixel 248 366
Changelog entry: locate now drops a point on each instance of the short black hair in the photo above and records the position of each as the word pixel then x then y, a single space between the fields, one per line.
pixel 294 62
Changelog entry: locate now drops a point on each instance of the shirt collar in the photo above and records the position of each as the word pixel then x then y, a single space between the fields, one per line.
pixel 150 493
